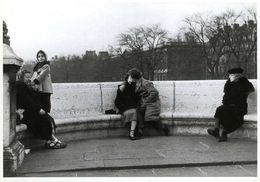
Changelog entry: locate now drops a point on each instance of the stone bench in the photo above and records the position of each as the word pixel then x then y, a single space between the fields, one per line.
pixel 187 107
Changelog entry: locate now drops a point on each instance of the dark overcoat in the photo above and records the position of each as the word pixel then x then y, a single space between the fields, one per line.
pixel 234 102
pixel 39 125
pixel 126 97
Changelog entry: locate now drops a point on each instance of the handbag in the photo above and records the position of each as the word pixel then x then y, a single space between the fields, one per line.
pixel 110 111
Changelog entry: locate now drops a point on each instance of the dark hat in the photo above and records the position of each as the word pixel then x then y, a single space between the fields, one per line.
pixel 235 70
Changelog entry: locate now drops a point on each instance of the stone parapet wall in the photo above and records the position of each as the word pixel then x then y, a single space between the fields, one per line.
pixel 182 98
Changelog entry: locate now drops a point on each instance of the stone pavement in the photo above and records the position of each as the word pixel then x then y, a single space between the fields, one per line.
pixel 150 152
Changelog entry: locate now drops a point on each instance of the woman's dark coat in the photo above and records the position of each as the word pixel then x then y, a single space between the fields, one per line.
pixel 234 102
pixel 40 125
pixel 126 98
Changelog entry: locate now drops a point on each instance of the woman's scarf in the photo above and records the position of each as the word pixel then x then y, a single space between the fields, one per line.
pixel 40 64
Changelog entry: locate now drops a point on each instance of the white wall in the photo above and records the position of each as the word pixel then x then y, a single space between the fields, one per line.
pixel 194 98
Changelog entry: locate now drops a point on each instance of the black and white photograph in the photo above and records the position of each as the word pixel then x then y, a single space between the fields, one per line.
pixel 115 90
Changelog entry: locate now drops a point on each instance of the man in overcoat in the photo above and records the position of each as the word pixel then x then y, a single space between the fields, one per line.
pixel 230 115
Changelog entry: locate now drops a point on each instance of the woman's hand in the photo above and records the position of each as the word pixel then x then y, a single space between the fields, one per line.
pixel 42 112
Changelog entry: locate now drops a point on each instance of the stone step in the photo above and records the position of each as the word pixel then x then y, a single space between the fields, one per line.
pixel 84 129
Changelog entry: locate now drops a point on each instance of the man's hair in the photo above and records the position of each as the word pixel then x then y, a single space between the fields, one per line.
pixel 135 73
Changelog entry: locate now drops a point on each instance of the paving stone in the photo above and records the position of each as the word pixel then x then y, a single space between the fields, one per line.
pixel 178 172
pixel 229 171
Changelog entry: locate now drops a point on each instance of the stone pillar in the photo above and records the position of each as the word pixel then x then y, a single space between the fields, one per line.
pixel 13 149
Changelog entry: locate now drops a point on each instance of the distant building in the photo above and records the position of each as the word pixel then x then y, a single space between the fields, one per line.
pixel 103 55
pixel 90 55
pixel 181 61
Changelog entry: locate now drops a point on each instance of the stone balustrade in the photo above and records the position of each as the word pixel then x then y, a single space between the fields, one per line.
pixel 187 107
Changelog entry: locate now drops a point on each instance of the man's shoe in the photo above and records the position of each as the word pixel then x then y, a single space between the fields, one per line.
pixel 223 137
pixel 139 135
pixel 213 132
pixel 166 130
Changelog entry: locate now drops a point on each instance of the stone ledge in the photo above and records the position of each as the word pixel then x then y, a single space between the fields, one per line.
pixel 192 115
pixel 111 125
pixel 250 117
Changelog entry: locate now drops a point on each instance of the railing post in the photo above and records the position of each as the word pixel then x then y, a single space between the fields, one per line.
pixel 13 149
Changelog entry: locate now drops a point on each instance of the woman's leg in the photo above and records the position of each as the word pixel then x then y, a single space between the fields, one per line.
pixel 132 130
pixel 46 102
pixel 43 128
pixel 223 134
pixel 133 125
pixel 53 142
pixel 218 115
pixel 132 134
pixel 217 125
pixel 215 131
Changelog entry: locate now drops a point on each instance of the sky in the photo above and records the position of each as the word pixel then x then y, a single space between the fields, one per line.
pixel 63 27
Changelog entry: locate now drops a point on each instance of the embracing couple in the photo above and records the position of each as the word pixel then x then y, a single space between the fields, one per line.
pixel 138 101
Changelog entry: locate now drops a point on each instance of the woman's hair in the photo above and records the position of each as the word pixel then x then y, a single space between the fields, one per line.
pixel 41 51
pixel 134 73
pixel 40 64
pixel 20 75
pixel 126 77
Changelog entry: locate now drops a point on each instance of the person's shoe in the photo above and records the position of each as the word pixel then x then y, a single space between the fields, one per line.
pixel 139 134
pixel 166 130
pixel 213 132
pixel 132 135
pixel 55 144
pixel 223 137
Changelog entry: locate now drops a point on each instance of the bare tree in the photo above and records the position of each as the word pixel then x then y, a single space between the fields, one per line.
pixel 131 46
pixel 241 38
pixel 155 38
pixel 143 46
pixel 251 12
pixel 201 29
pixel 218 38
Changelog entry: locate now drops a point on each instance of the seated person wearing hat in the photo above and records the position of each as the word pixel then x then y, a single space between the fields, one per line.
pixel 230 115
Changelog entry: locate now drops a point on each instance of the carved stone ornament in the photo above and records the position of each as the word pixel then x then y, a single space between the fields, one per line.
pixel 6 38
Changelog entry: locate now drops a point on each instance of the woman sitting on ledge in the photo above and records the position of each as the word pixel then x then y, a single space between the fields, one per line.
pixel 38 121
pixel 230 115
pixel 127 102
